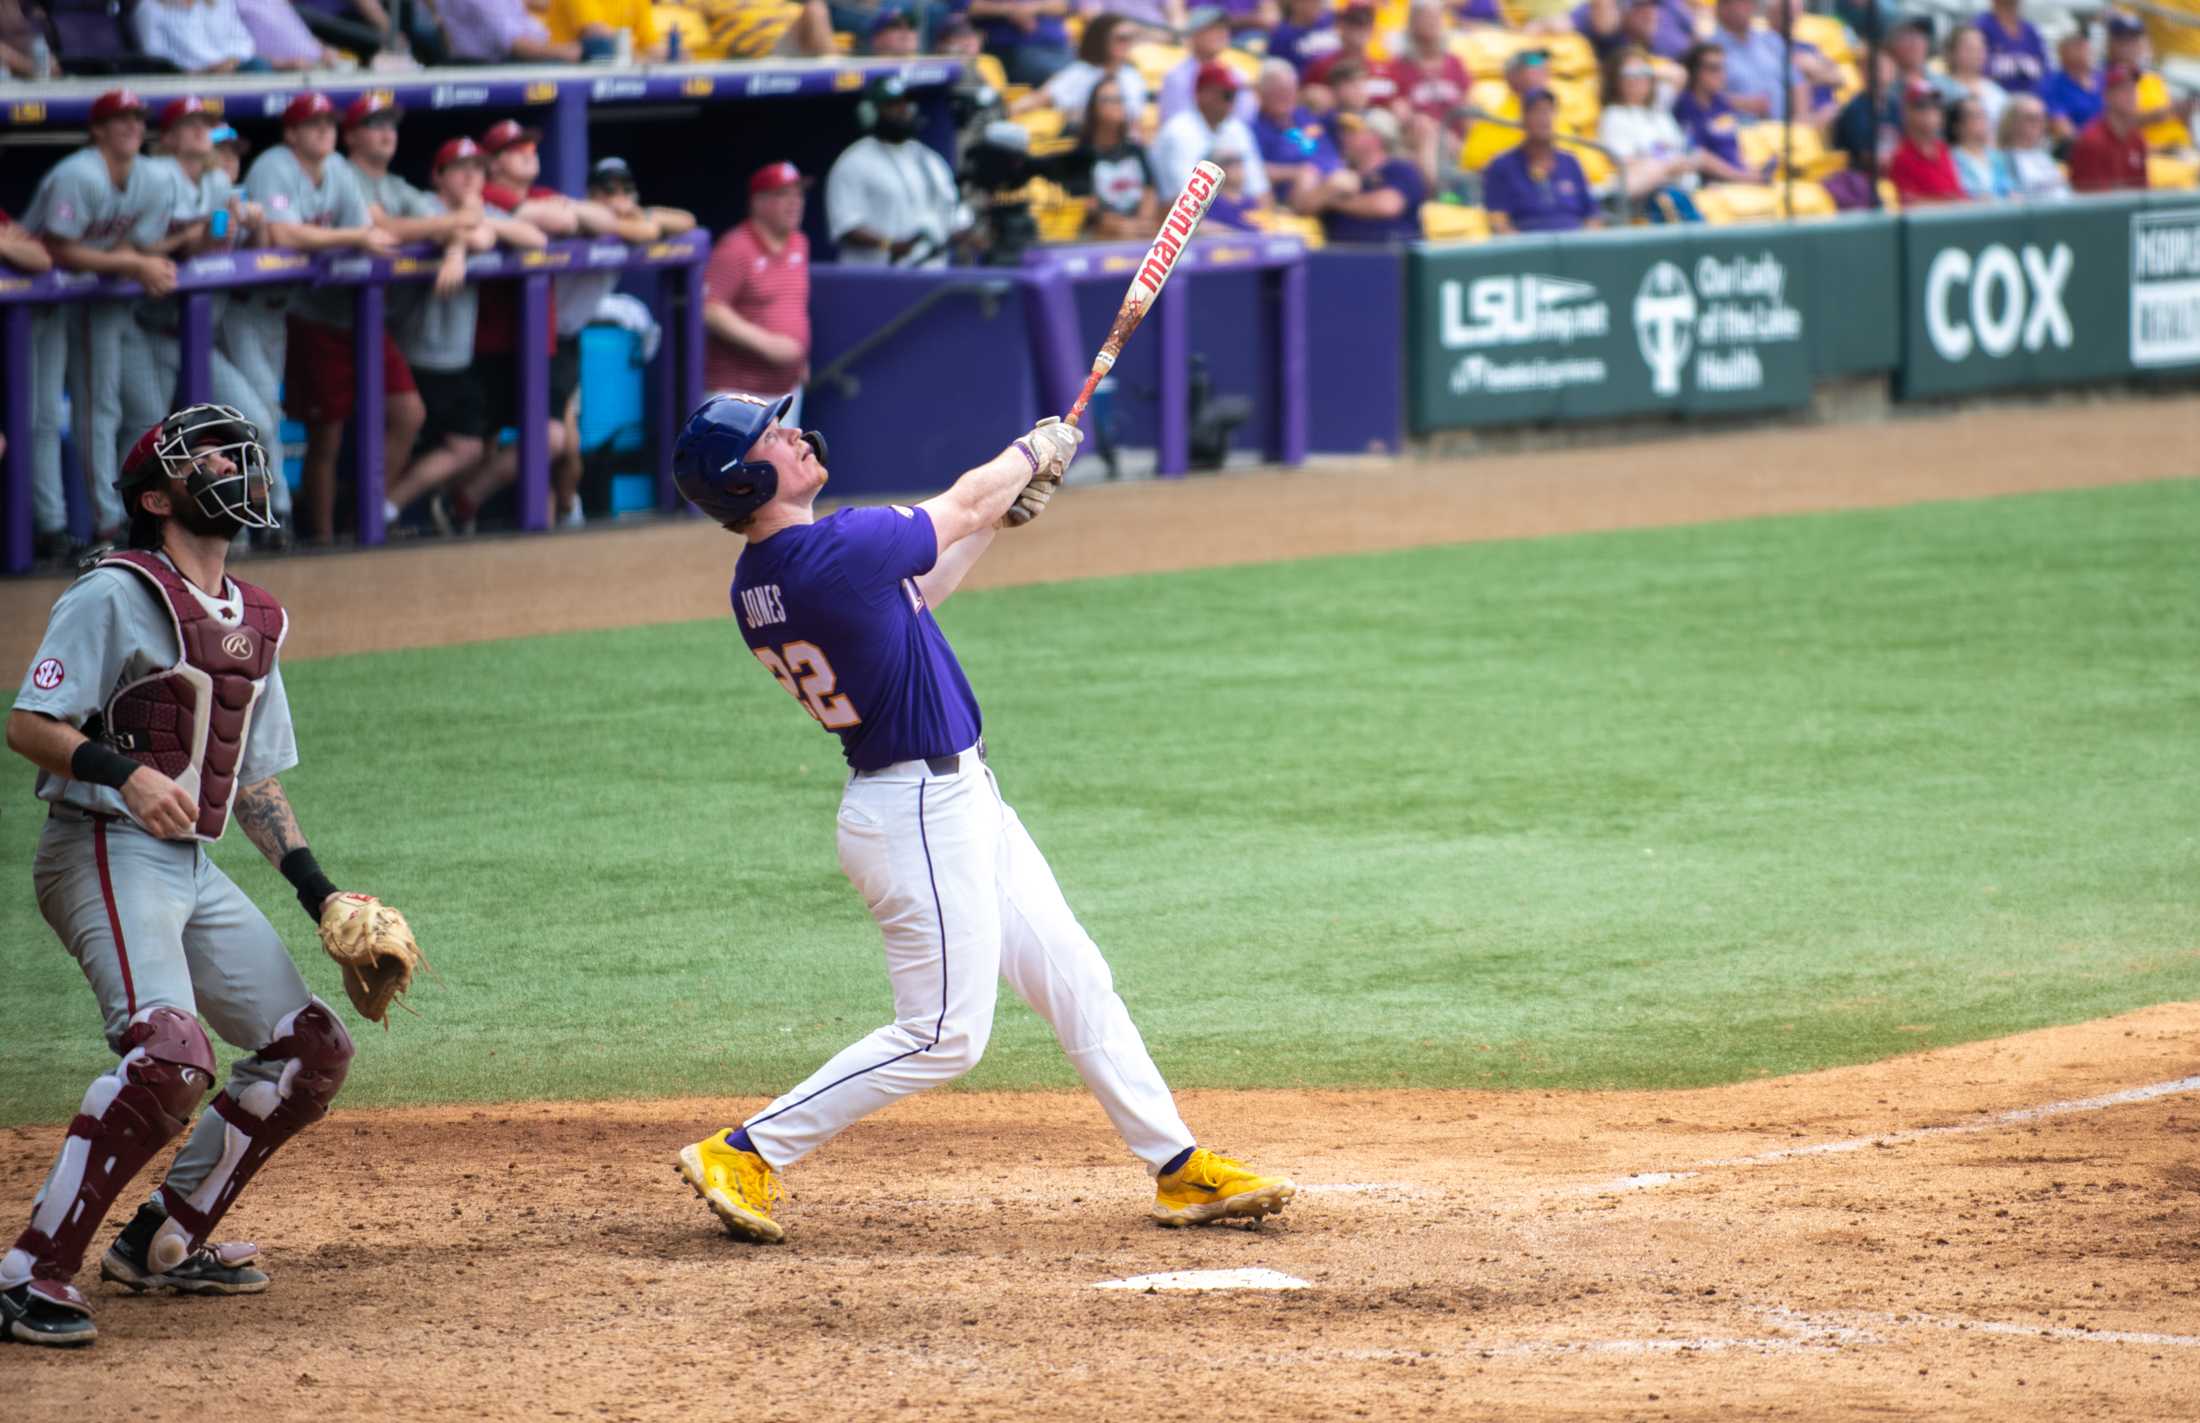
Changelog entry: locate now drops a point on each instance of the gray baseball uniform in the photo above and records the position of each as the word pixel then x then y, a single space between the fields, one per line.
pixel 253 334
pixel 398 198
pixel 153 359
pixel 439 332
pixel 155 922
pixel 77 200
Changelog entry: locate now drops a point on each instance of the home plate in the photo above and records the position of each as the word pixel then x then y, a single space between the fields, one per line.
pixel 1207 1280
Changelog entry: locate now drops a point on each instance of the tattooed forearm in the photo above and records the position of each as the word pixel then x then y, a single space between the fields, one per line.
pixel 265 816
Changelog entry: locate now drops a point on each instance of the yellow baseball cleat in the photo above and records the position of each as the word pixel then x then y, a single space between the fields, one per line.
pixel 1209 1188
pixel 738 1186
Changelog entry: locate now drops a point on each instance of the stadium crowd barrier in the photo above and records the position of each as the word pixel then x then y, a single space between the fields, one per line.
pixel 1695 321
pixel 677 370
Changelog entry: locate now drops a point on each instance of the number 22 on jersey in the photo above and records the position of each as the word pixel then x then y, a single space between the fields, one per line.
pixel 802 669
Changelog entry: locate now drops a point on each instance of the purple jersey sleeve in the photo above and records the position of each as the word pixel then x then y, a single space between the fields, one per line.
pixel 881 547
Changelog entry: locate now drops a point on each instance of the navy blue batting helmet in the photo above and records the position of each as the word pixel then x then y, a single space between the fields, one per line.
pixel 710 461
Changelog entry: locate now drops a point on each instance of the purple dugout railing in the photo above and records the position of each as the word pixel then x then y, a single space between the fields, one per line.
pixel 676 373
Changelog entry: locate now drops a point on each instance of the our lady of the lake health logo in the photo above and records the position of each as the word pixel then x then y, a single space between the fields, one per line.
pixel 1708 324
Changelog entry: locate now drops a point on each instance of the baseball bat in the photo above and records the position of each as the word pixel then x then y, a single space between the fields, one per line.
pixel 1153 273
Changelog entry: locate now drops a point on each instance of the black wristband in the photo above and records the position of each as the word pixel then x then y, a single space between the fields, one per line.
pixel 98 764
pixel 304 874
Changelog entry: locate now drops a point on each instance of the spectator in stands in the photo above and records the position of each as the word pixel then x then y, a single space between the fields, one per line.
pixel 391 36
pixel 756 294
pixel 1538 186
pixel 1911 43
pixel 1355 45
pixel 90 208
pixel 595 25
pixel 1252 20
pixel 1819 80
pixel 1979 165
pixel 2016 55
pixel 1211 124
pixel 1109 167
pixel 1868 137
pixel 1027 36
pixel 2072 93
pixel 1307 33
pixel 229 151
pixel 893 34
pixel 2033 172
pixel 2161 119
pixel 1104 51
pixel 1209 37
pixel 1486 13
pixel 891 201
pixel 1712 126
pixel 1665 28
pixel 1966 58
pixel 1923 170
pixel 438 339
pixel 314 203
pixel 1655 160
pixel 1431 80
pixel 281 38
pixel 502 32
pixel 2110 153
pixel 20 29
pixel 1165 18
pixel 1527 71
pixel 1234 208
pixel 1304 168
pixel 1754 63
pixel 196 36
pixel 1387 206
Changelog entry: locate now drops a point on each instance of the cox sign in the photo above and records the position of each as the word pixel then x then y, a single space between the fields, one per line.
pixel 1998 301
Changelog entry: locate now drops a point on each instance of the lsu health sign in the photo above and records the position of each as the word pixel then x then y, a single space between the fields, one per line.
pixel 2049 294
pixel 1623 324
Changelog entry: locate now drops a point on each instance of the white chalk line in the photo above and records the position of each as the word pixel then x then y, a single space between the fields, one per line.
pixel 2070 1333
pixel 1646 1180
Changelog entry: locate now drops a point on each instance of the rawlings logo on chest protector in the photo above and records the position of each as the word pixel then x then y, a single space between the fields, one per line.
pixel 190 721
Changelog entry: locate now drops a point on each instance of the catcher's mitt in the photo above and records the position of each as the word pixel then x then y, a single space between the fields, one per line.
pixel 376 947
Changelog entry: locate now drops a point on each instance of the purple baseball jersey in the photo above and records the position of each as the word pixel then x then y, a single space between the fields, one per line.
pixel 834 611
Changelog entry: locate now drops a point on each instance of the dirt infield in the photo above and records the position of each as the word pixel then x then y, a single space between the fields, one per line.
pixel 1909 1238
pixel 1466 1255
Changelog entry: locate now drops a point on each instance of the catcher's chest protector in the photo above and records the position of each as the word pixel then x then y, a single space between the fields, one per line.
pixel 189 722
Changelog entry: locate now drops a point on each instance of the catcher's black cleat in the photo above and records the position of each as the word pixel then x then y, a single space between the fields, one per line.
pixel 208 1270
pixel 46 1312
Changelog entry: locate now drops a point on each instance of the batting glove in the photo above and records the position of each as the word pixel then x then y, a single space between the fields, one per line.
pixel 1051 446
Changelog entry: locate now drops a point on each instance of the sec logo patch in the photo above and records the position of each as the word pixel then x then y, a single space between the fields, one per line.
pixel 47 674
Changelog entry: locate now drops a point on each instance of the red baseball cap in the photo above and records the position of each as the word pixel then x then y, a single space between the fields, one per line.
pixel 459 150
pixel 307 108
pixel 2117 74
pixel 367 105
pixel 508 133
pixel 773 176
pixel 1221 75
pixel 115 103
pixel 175 111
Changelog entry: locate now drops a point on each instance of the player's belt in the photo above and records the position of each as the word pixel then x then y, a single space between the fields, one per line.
pixel 937 765
pixel 61 810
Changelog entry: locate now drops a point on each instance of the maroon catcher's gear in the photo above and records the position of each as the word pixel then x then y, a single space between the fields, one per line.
pixel 190 722
pixel 127 1117
pixel 314 1052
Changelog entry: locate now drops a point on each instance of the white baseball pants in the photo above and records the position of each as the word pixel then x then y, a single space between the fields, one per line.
pixel 963 898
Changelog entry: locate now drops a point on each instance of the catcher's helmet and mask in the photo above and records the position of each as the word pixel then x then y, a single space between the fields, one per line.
pixel 193 445
pixel 710 461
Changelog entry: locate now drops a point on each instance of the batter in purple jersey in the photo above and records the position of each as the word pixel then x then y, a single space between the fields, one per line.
pixel 839 610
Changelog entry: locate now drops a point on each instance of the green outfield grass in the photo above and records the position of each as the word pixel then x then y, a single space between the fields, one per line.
pixel 1654 808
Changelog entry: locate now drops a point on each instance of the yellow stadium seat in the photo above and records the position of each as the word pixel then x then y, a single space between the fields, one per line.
pixel 1286 223
pixel 1042 124
pixel 1520 12
pixel 1572 57
pixel 1153 61
pixel 1722 203
pixel 1761 144
pixel 1450 222
pixel 1060 217
pixel 1595 167
pixel 1245 66
pixel 1484 50
pixel 1580 105
pixel 1825 34
pixel 992 72
pixel 694 31
pixel 2166 171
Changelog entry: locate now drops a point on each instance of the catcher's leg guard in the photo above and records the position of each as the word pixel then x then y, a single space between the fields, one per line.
pixel 127 1117
pixel 310 1055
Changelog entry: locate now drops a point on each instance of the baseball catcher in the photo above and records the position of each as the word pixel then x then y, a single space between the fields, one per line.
pixel 154 711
